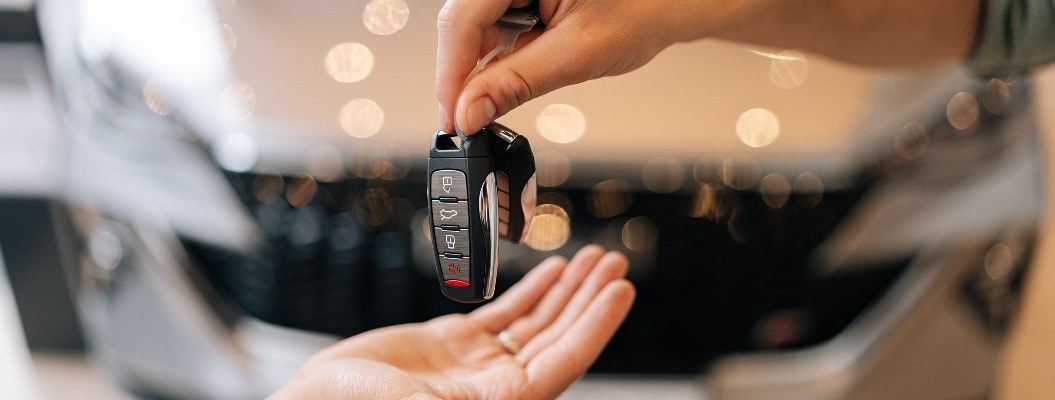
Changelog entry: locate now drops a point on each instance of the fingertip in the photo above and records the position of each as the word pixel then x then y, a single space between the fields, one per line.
pixel 591 248
pixel 477 114
pixel 550 263
pixel 623 288
pixel 616 260
pixel 444 119
pixel 618 296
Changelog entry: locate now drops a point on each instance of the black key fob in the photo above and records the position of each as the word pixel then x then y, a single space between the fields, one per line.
pixel 480 190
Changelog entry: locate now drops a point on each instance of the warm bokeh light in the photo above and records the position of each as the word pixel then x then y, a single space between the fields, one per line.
pixel 809 189
pixel 775 190
pixel 301 190
pixel 155 98
pixel 349 62
pixel 268 186
pixel 758 127
pixel 362 118
pixel 708 169
pixel 639 234
pixel 997 97
pixel 552 168
pixel 662 175
pixel 708 203
pixel 550 228
pixel 561 123
pixel 788 69
pixel 230 39
pixel 741 171
pixel 385 17
pixel 609 198
pixel 558 199
pixel 912 140
pixel 238 101
pixel 962 111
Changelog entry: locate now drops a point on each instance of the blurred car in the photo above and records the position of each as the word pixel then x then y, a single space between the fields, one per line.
pixel 244 184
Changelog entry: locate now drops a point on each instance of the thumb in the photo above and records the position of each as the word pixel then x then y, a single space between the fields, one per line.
pixel 549 62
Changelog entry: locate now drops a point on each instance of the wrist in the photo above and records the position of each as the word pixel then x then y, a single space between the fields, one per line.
pixel 742 21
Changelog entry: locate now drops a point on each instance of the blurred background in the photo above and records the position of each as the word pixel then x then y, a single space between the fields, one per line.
pixel 196 195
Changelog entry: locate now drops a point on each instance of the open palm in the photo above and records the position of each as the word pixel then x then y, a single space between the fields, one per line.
pixel 563 312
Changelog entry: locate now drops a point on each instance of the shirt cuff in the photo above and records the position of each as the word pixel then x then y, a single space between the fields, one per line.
pixel 1016 36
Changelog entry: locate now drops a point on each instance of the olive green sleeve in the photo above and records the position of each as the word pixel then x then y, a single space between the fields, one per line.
pixel 1015 37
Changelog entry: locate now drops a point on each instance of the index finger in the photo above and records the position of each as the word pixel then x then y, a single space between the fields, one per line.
pixel 461 27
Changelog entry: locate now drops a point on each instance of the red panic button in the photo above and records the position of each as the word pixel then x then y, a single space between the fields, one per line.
pixel 456 283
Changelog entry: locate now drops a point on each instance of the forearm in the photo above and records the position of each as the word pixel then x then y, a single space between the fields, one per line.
pixel 866 32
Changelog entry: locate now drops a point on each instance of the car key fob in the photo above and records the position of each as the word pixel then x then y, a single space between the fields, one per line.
pixel 480 190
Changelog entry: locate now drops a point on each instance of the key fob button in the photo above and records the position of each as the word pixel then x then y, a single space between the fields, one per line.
pixel 450 214
pixel 448 183
pixel 452 242
pixel 455 271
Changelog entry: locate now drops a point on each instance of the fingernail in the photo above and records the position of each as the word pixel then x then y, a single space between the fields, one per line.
pixel 442 118
pixel 480 113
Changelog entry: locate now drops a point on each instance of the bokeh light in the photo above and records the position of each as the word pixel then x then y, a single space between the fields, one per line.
pixel 552 168
pixel 561 123
pixel 385 17
pixel 708 169
pixel 662 175
pixel 609 198
pixel 997 97
pixel 155 98
pixel 362 118
pixel 912 140
pixel 550 228
pixel 741 171
pixel 268 186
pixel 775 190
pixel 962 111
pixel 349 62
pixel 639 234
pixel 788 69
pixel 558 199
pixel 758 127
pixel 238 101
pixel 301 190
pixel 230 39
pixel 708 203
pixel 809 189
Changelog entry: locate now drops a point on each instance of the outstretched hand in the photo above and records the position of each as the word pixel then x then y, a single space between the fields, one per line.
pixel 562 313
